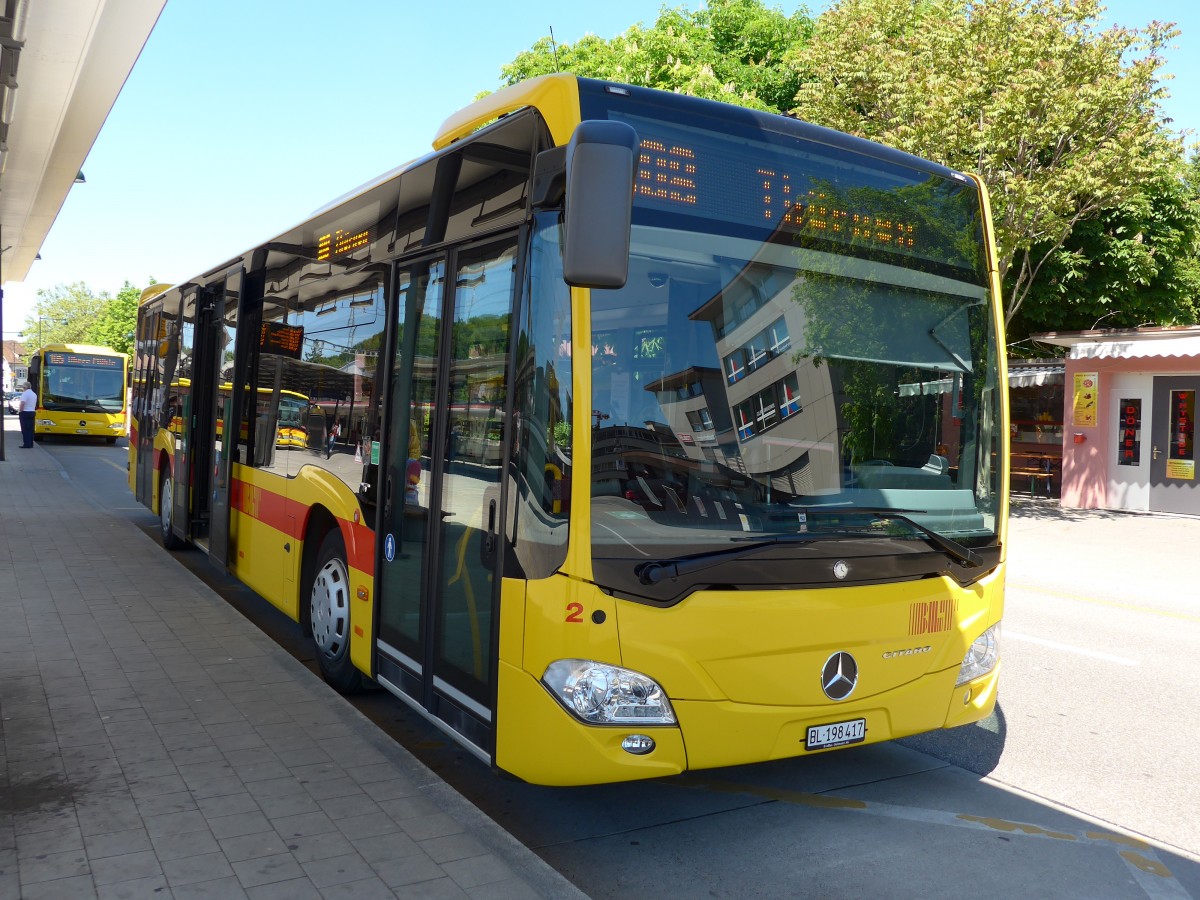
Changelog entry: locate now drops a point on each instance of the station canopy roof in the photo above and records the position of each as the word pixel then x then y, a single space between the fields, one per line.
pixel 62 65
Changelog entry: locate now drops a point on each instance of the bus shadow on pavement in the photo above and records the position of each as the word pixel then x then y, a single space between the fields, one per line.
pixel 976 747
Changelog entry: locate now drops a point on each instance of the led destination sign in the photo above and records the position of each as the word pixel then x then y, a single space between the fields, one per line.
pixel 281 340
pixel 822 194
pixel 670 173
pixel 339 243
pixel 83 360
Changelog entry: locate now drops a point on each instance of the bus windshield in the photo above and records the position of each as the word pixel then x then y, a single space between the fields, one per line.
pixel 806 332
pixel 83 382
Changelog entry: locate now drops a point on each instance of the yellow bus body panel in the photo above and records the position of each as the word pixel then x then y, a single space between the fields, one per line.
pixel 742 670
pixel 768 647
pixel 556 97
pixel 269 518
pixel 263 556
pixel 105 425
pixel 560 623
pixel 730 734
pixel 538 741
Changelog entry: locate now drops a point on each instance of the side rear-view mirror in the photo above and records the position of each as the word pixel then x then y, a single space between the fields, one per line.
pixel 598 204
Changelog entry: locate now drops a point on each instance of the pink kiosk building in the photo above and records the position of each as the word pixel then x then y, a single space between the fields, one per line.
pixel 1129 419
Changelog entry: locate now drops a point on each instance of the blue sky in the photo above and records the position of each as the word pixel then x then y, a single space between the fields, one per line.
pixel 241 118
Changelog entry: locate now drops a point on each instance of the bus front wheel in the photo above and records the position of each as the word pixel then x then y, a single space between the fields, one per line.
pixel 166 512
pixel 329 615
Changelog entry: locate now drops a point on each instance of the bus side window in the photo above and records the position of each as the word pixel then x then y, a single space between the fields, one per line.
pixel 539 481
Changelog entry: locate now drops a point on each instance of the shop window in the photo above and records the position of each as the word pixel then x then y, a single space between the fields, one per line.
pixel 1129 437
pixel 1037 414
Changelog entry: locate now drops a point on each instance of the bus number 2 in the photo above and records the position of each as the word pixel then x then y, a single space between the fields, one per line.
pixel 574 612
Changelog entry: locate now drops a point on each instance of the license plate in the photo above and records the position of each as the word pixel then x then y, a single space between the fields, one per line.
pixel 836 734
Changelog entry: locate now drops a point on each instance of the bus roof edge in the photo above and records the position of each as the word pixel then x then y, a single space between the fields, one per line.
pixel 544 92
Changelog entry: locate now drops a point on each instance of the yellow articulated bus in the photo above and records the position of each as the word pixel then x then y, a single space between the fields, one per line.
pixel 764 517
pixel 82 391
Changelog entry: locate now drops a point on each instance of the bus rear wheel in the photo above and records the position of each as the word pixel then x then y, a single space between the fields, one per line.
pixel 329 616
pixel 166 512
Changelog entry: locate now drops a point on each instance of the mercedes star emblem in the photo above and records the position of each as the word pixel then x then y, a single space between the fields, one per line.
pixel 839 676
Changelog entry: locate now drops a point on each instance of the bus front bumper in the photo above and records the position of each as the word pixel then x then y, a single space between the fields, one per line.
pixel 540 742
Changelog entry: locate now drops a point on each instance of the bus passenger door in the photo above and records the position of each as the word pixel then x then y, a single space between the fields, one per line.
pixel 208 412
pixel 145 414
pixel 193 316
pixel 230 374
pixel 441 522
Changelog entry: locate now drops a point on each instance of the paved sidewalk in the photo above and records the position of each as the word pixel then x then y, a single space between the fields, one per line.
pixel 156 744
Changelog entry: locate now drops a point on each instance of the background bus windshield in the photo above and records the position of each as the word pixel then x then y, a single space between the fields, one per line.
pixel 83 382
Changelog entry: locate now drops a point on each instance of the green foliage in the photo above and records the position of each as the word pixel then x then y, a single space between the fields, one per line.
pixel 62 315
pixel 730 50
pixel 1136 264
pixel 115 325
pixel 73 314
pixel 1060 118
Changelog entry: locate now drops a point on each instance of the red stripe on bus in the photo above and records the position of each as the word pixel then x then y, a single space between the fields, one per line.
pixel 361 551
pixel 268 507
pixel 290 517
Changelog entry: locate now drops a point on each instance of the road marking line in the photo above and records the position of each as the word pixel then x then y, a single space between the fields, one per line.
pixel 1067 648
pixel 1139 856
pixel 1153 877
pixel 1131 607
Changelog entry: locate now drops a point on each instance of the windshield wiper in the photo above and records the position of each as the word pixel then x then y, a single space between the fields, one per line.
pixel 77 406
pixel 657 570
pixel 654 571
pixel 952 548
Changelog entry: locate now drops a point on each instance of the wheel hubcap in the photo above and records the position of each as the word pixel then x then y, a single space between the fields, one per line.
pixel 330 608
pixel 165 504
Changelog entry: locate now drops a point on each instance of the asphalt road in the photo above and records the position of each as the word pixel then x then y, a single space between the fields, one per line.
pixel 1094 744
pixel 1102 641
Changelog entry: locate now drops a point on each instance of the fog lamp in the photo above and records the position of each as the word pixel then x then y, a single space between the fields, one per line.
pixel 638 744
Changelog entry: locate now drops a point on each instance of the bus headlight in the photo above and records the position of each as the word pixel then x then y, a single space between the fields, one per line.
pixel 600 694
pixel 981 657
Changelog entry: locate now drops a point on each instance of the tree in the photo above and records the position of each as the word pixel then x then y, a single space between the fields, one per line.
pixel 731 50
pixel 1060 118
pixel 115 325
pixel 73 314
pixel 1137 264
pixel 62 315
